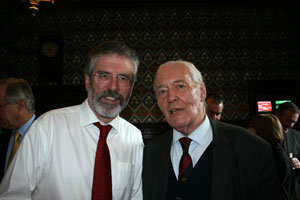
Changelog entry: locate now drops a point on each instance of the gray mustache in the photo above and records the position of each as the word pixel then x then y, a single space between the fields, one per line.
pixel 111 94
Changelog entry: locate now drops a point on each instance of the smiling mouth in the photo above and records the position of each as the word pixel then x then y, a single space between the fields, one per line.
pixel 111 98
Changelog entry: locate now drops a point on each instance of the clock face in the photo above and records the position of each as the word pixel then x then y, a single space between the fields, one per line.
pixel 49 49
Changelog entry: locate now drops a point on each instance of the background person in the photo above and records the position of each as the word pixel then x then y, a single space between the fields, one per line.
pixel 269 128
pixel 58 158
pixel 214 104
pixel 288 114
pixel 202 158
pixel 17 108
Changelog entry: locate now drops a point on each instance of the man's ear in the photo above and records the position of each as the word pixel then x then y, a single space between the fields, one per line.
pixel 202 92
pixel 21 105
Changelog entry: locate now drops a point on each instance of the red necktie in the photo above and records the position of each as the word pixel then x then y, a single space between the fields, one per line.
pixel 102 187
pixel 186 165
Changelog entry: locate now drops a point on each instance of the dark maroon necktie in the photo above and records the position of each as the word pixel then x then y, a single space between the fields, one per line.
pixel 102 187
pixel 186 164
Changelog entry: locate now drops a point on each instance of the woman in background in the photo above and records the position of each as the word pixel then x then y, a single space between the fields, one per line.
pixel 268 127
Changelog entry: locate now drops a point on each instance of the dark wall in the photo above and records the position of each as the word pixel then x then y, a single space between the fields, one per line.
pixel 231 45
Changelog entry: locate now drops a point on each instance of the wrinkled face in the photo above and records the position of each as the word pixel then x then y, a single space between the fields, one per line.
pixel 287 120
pixel 179 98
pixel 9 113
pixel 108 93
pixel 214 110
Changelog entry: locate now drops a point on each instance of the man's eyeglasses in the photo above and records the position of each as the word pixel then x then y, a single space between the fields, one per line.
pixel 106 77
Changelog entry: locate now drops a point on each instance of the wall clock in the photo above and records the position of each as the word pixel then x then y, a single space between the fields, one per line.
pixel 49 49
pixel 50 59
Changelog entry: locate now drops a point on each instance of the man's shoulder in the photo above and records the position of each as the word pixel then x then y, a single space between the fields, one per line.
pixel 128 125
pixel 129 130
pixel 226 128
pixel 61 111
pixel 236 135
pixel 160 140
pixel 294 131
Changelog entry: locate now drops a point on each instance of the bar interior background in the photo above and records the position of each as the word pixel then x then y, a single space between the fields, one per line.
pixel 246 51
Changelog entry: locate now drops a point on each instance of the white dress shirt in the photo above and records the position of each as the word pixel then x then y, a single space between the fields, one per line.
pixel 201 137
pixel 56 158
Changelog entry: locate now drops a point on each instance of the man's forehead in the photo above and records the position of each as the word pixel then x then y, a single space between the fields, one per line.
pixel 165 83
pixel 289 112
pixel 171 82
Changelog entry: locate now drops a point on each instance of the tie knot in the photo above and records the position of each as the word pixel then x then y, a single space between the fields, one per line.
pixel 104 130
pixel 185 142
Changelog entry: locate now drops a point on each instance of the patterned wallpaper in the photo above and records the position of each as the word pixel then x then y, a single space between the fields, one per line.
pixel 230 45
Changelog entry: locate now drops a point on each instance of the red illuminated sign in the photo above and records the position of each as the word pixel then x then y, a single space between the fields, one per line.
pixel 264 106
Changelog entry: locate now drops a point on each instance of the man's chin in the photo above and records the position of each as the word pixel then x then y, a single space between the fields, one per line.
pixel 112 112
pixel 110 108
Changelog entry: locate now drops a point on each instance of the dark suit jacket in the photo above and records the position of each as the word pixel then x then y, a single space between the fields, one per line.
pixel 292 139
pixel 243 166
pixel 4 139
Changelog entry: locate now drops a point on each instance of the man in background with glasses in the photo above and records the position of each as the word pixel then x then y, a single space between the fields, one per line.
pixel 59 157
pixel 17 108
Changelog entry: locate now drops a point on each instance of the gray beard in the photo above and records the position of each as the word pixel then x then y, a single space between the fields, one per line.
pixel 103 109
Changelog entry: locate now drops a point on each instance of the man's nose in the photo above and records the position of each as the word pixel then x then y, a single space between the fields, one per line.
pixel 172 96
pixel 113 83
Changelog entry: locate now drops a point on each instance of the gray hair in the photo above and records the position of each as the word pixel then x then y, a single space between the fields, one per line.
pixel 194 72
pixel 17 89
pixel 112 47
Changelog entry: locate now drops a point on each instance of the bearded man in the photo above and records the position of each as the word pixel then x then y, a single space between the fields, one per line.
pixel 65 156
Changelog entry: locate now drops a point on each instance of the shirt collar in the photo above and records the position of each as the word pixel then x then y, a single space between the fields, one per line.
pixel 23 129
pixel 87 117
pixel 200 135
